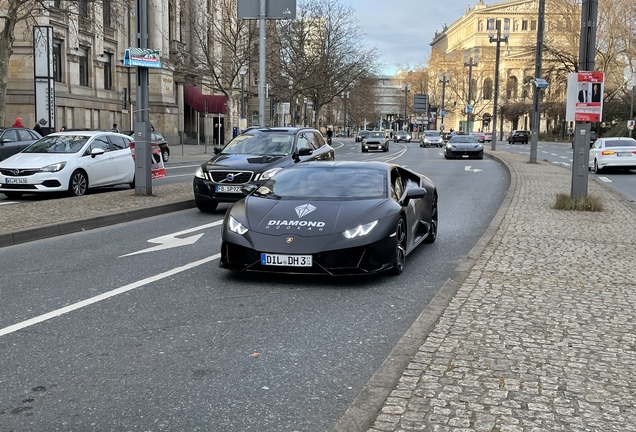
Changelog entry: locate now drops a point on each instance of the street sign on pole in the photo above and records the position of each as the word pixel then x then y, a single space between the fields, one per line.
pixel 420 103
pixel 274 9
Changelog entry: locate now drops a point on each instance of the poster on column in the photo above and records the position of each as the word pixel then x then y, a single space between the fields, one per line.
pixel 585 97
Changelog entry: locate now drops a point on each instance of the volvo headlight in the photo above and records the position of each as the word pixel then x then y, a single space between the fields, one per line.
pixel 236 227
pixel 268 174
pixel 360 230
pixel 53 168
pixel 199 173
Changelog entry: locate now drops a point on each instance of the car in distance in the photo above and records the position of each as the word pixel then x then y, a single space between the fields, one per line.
pixel 331 218
pixel 70 162
pixel 375 140
pixel 518 136
pixel 614 152
pixel 157 138
pixel 431 137
pixel 464 146
pixel 481 136
pixel 402 136
pixel 16 139
pixel 361 135
pixel 488 137
pixel 253 157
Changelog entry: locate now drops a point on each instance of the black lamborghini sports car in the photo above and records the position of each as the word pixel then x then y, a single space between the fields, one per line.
pixel 331 218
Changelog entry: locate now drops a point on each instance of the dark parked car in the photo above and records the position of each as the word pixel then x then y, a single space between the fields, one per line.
pixel 374 140
pixel 157 138
pixel 331 218
pixel 464 146
pixel 518 136
pixel 253 157
pixel 16 139
pixel 361 135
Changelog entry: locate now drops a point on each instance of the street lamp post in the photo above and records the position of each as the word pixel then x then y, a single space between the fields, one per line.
pixel 407 89
pixel 291 95
pixel 443 78
pixel 631 109
pixel 345 96
pixel 242 72
pixel 495 26
pixel 470 61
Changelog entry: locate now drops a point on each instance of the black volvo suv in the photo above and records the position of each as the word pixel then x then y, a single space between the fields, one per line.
pixel 253 157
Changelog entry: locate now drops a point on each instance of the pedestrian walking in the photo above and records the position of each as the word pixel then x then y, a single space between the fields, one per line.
pixel 18 122
pixel 114 128
pixel 38 129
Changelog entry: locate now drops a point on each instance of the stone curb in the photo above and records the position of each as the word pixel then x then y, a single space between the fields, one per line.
pixel 77 225
pixel 365 408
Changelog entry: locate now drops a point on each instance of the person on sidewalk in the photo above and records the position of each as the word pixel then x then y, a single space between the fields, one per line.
pixel 114 128
pixel 39 129
pixel 18 122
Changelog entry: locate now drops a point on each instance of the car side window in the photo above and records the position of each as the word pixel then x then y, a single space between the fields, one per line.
pixel 100 142
pixel 318 140
pixel 118 143
pixel 10 135
pixel 303 142
pixel 397 189
pixel 24 135
pixel 34 135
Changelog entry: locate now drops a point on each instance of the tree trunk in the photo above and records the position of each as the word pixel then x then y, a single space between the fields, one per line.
pixel 230 121
pixel 6 49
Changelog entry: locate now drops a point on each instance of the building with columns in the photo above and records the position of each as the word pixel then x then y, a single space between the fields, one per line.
pixel 93 89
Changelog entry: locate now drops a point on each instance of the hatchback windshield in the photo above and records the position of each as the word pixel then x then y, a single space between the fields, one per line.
pixel 375 135
pixel 326 183
pixel 260 144
pixel 431 134
pixel 58 144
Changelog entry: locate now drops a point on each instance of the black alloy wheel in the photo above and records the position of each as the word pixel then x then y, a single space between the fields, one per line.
pixel 78 184
pixel 432 233
pixel 399 257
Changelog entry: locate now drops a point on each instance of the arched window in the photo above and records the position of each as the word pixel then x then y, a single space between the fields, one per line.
pixel 487 89
pixel 511 87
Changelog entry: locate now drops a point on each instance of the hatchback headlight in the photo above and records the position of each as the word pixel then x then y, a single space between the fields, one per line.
pixel 360 230
pixel 267 174
pixel 53 168
pixel 199 173
pixel 236 227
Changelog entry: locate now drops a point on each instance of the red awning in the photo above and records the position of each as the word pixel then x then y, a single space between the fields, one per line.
pixel 196 99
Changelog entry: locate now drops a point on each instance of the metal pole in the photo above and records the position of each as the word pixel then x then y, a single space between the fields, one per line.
pixel 631 109
pixel 587 50
pixel 261 64
pixel 405 96
pixel 205 125
pixel 443 95
pixel 493 143
pixel 537 91
pixel 470 89
pixel 242 97
pixel 345 114
pixel 143 154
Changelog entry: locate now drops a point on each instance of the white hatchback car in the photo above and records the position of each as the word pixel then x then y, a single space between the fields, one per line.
pixel 71 161
pixel 613 152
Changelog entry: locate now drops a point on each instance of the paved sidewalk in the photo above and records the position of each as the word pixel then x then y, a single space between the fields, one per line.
pixel 541 332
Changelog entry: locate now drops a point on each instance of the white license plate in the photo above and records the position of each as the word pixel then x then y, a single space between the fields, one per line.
pixel 229 189
pixel 15 181
pixel 624 154
pixel 286 260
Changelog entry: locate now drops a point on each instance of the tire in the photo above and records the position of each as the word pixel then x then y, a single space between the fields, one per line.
pixel 132 183
pixel 596 169
pixel 525 142
pixel 78 184
pixel 399 256
pixel 13 195
pixel 207 207
pixel 432 235
pixel 364 151
pixel 165 155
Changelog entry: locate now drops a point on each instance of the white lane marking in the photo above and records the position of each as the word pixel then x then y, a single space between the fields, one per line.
pixel 563 157
pixel 170 240
pixel 104 296
pixel 605 179
pixel 468 168
pixel 8 202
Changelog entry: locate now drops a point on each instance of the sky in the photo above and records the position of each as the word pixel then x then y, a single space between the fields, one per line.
pixel 403 29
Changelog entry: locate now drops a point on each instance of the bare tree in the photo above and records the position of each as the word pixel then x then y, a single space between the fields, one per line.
pixel 322 52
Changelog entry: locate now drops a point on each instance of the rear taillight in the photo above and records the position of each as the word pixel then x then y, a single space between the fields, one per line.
pixel 607 152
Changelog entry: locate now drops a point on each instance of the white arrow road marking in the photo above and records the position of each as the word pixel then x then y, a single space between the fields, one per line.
pixel 605 179
pixel 106 295
pixel 169 240
pixel 468 168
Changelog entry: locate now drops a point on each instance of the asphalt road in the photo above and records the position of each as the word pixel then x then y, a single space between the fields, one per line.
pixel 561 154
pixel 164 340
